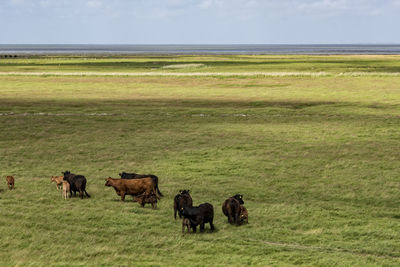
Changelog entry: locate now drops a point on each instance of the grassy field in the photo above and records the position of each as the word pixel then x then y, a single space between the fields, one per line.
pixel 316 158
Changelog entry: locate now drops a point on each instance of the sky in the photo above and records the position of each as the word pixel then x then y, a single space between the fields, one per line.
pixel 200 21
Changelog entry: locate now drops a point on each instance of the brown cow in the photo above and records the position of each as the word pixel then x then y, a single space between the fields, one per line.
pixel 244 215
pixel 10 182
pixel 134 187
pixel 231 208
pixel 58 180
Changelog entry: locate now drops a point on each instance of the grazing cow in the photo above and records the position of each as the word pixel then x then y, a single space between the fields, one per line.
pixel 180 201
pixel 66 189
pixel 244 216
pixel 231 208
pixel 185 223
pixel 77 183
pixel 58 180
pixel 202 214
pixel 126 175
pixel 10 182
pixel 147 199
pixel 134 187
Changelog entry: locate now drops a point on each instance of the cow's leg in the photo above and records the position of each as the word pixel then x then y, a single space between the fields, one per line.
pixel 81 194
pixel 175 210
pixel 202 227
pixel 122 195
pixel 237 217
pixel 230 218
pixel 212 226
pixel 194 227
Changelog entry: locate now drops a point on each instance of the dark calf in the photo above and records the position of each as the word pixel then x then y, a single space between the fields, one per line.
pixel 202 214
pixel 147 199
pixel 182 200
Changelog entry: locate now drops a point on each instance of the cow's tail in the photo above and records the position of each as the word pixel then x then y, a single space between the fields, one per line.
pixel 158 191
pixel 154 191
pixel 86 193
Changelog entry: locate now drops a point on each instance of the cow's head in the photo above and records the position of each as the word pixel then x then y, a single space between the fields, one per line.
pixel 121 174
pixel 184 192
pixel 66 174
pixel 108 181
pixel 239 198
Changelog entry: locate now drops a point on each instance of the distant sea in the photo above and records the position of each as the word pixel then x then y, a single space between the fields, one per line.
pixel 82 49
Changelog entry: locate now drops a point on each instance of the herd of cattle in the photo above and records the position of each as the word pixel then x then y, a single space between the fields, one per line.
pixel 144 190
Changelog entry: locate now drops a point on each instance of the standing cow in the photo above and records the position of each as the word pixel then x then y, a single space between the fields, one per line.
pixel 126 175
pixel 231 208
pixel 202 214
pixel 182 200
pixel 134 187
pixel 77 183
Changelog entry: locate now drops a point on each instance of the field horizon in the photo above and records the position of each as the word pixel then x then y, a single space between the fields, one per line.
pixel 310 141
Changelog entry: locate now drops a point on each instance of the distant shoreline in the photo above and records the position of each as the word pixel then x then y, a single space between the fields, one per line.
pixel 148 50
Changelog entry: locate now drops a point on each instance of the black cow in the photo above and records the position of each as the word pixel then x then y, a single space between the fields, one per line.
pixel 202 214
pixel 126 175
pixel 231 208
pixel 76 182
pixel 182 200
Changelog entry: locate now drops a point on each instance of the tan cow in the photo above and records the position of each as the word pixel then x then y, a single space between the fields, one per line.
pixel 66 188
pixel 10 182
pixel 58 180
pixel 185 224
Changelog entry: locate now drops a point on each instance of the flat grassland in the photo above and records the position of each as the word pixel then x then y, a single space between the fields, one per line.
pixel 312 142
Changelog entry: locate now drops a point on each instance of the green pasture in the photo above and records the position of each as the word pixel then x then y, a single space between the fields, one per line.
pixel 316 159
pixel 214 64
